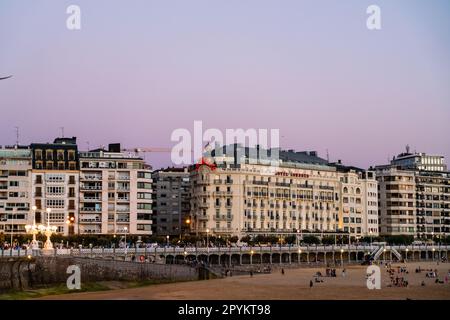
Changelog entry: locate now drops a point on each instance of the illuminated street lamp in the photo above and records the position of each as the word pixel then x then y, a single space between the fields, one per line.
pixel 33 229
pixel 167 237
pixel 48 231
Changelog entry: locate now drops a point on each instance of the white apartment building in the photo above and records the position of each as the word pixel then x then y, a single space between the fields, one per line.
pixel 359 201
pixel 115 193
pixel 15 190
pixel 55 183
pixel 302 192
pixel 397 201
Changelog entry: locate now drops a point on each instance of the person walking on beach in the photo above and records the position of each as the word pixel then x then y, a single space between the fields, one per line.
pixel 343 273
pixel 282 271
pixel 310 284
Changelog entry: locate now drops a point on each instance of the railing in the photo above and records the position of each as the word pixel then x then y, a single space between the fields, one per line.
pixel 224 250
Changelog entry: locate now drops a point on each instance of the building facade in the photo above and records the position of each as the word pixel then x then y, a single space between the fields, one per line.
pixel 301 192
pixel 96 192
pixel 115 193
pixel 359 201
pixel 172 201
pixel 15 190
pixel 55 183
pixel 415 196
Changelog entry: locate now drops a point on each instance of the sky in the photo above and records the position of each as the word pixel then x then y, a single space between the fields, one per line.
pixel 138 70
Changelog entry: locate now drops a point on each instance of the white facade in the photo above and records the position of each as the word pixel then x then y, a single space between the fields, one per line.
pixel 115 194
pixel 15 190
pixel 256 198
pixel 359 203
pixel 59 191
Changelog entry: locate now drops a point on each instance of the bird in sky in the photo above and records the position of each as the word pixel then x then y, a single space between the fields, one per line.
pixel 3 78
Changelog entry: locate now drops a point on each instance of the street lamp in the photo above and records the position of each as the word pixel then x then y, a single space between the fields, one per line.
pixel 33 229
pixel 48 231
pixel 167 237
pixel 342 261
pixel 12 226
pixel 370 232
pixel 125 232
pixel 207 239
pixel 407 254
pixel 298 231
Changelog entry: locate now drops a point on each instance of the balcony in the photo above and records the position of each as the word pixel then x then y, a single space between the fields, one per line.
pixel 223 217
pixel 89 209
pixel 121 177
pixel 94 177
pixel 91 199
pixel 91 187
pixel 218 181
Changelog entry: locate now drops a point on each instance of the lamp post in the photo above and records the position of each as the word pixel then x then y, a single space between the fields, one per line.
pixel 48 231
pixel 342 260
pixel 298 231
pixel 33 229
pixel 167 237
pixel 370 232
pixel 12 227
pixel 125 233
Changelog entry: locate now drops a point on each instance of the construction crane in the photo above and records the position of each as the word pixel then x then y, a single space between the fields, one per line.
pixel 139 150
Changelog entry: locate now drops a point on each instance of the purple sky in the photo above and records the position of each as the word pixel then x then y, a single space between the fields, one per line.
pixel 137 70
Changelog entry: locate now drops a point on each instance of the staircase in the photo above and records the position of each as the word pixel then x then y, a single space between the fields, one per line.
pixel 378 252
pixel 396 253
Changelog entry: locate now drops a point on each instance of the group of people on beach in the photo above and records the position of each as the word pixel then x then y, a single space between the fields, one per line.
pixel 330 272
pixel 397 277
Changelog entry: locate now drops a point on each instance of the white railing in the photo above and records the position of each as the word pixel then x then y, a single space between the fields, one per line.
pixel 221 250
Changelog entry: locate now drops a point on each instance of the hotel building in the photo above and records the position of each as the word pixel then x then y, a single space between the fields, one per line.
pixel 15 189
pixel 172 201
pixel 298 191
pixel 115 193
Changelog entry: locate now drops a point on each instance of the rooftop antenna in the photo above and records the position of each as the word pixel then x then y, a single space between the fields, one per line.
pixel 407 148
pixel 328 156
pixel 62 132
pixel 88 148
pixel 17 136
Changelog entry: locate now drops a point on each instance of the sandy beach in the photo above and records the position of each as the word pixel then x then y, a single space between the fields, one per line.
pixel 293 285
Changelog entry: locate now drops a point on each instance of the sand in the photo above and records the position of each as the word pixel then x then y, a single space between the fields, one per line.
pixel 293 285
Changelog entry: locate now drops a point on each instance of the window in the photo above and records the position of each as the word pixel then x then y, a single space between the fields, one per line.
pixel 144 175
pixel 55 190
pixel 143 227
pixel 144 195
pixel 144 185
pixel 49 154
pixel 14 183
pixel 55 203
pixel 60 155
pixel 144 206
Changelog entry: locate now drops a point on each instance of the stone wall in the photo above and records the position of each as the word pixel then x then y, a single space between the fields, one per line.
pixel 24 273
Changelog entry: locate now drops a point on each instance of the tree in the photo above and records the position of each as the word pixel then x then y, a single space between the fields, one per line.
pixel 311 240
pixel 328 240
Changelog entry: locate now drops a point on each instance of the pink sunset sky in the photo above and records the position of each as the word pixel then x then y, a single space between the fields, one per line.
pixel 137 70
